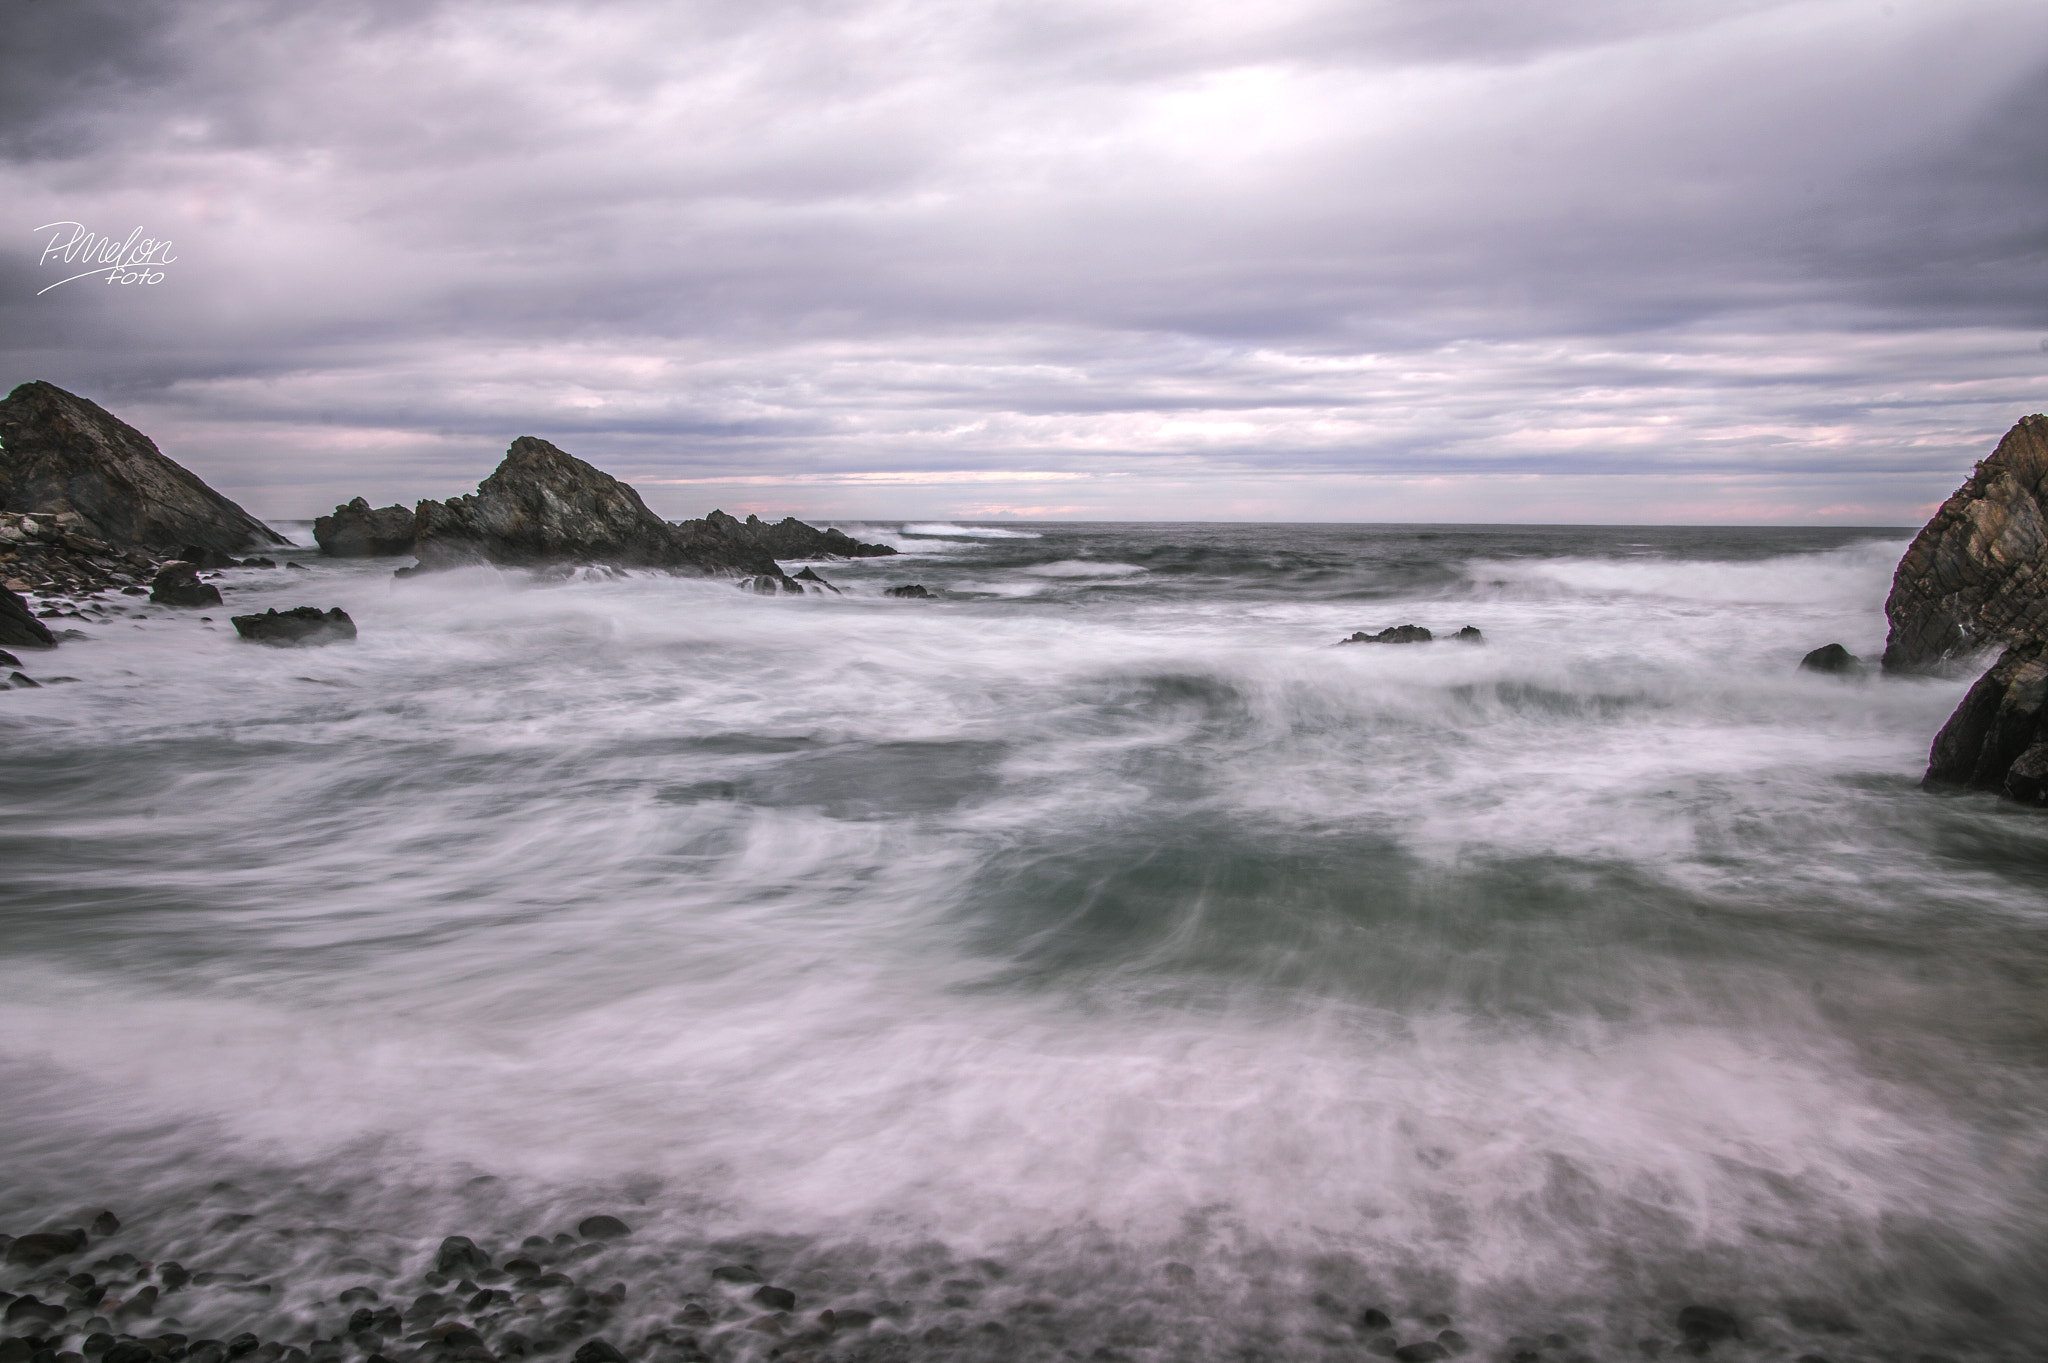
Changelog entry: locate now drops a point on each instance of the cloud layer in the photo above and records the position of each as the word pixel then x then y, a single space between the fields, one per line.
pixel 1454 259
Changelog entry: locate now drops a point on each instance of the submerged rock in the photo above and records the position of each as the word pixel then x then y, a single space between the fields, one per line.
pixel 1394 634
pixel 911 592
pixel 1470 635
pixel 1977 574
pixel 1832 658
pixel 1997 739
pixel 63 453
pixel 177 584
pixel 19 627
pixel 358 530
pixel 301 625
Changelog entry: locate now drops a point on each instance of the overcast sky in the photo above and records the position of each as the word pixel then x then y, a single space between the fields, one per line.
pixel 1556 260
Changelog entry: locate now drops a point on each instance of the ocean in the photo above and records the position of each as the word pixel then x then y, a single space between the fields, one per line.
pixel 1098 962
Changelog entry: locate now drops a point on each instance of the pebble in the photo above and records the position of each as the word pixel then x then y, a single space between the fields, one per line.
pixel 602 1228
pixel 777 1298
pixel 1423 1351
pixel 1376 1319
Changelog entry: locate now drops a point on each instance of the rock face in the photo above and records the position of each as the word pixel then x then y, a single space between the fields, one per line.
pixel 19 627
pixel 1997 738
pixel 543 506
pixel 358 530
pixel 299 625
pixel 177 584
pixel 62 453
pixel 1977 575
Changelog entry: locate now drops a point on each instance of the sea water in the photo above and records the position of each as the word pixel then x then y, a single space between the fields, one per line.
pixel 1099 961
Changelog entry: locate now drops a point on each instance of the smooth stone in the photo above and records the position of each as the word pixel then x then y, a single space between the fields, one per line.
pixel 736 1273
pixel 457 1252
pixel 1454 1342
pixel 1376 1319
pixel 106 1223
pixel 1425 1351
pixel 40 1247
pixel 776 1298
pixel 602 1228
pixel 8 659
pixel 354 1294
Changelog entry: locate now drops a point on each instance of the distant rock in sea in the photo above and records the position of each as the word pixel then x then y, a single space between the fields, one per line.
pixel 299 625
pixel 63 453
pixel 357 530
pixel 1830 658
pixel 1394 634
pixel 1977 575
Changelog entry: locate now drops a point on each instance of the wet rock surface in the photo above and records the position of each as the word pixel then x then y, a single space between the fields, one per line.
pixel 1997 739
pixel 358 530
pixel 789 538
pixel 1393 634
pixel 19 627
pixel 299 625
pixel 912 591
pixel 65 454
pixel 1976 576
pixel 177 584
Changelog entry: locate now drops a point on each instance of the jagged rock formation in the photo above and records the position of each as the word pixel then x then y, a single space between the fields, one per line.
pixel 61 453
pixel 788 538
pixel 299 625
pixel 1393 634
pixel 358 530
pixel 1998 737
pixel 543 506
pixel 1977 575
pixel 19 627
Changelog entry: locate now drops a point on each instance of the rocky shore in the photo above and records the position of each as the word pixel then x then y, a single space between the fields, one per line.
pixel 594 1294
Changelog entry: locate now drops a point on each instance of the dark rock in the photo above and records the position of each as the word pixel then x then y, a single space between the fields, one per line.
pixel 788 538
pixel 22 681
pixel 356 530
pixel 1469 635
pixel 1977 573
pixel 143 1303
pixel 736 1273
pixel 807 575
pixel 356 1294
pixel 778 1298
pixel 1707 1325
pixel 259 563
pixel 43 1246
pixel 96 1344
pixel 128 1351
pixel 19 627
pixel 1831 658
pixel 308 625
pixel 1394 634
pixel 1997 738
pixel 1375 1319
pixel 1426 1351
pixel 30 1309
pixel 177 584
pixel 298 567
pixel 106 1223
pixel 173 1275
pixel 8 660
pixel 15 1351
pixel 693 1314
pixel 598 1351
pixel 65 454
pixel 543 506
pixel 207 560
pixel 602 1228
pixel 458 1253
pixel 912 592
pixel 1453 1342
pixel 244 1343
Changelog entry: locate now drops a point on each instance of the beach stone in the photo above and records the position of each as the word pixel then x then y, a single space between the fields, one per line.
pixel 107 481
pixel 356 530
pixel 458 1253
pixel 1977 574
pixel 356 1294
pixel 741 1274
pixel 7 660
pixel 40 1247
pixel 28 1308
pixel 1832 659
pixel 777 1298
pixel 127 1351
pixel 1425 1351
pixel 19 627
pixel 1453 1342
pixel 106 1223
pixel 22 681
pixel 1375 1319
pixel 910 592
pixel 303 625
pixel 599 1351
pixel 693 1314
pixel 177 584
pixel 1707 1324
pixel 602 1228
pixel 97 1343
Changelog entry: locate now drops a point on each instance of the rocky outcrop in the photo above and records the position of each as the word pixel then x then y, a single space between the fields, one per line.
pixel 788 538
pixel 1997 739
pixel 810 577
pixel 543 506
pixel 911 592
pixel 299 625
pixel 1977 575
pixel 1831 658
pixel 358 530
pixel 177 584
pixel 1393 634
pixel 62 453
pixel 19 627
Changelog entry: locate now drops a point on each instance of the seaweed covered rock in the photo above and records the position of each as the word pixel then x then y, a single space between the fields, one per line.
pixel 62 453
pixel 543 506
pixel 299 625
pixel 359 530
pixel 1997 739
pixel 1976 576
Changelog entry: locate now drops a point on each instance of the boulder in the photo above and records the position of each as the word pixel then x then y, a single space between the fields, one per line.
pixel 543 506
pixel 19 627
pixel 299 625
pixel 1997 739
pixel 177 584
pixel 358 530
pixel 1393 634
pixel 63 453
pixel 1832 658
pixel 1977 575
pixel 1471 634
pixel 208 560
pixel 910 592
